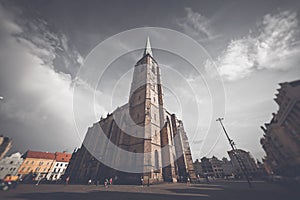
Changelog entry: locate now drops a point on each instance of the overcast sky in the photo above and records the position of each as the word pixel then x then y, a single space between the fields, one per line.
pixel 254 45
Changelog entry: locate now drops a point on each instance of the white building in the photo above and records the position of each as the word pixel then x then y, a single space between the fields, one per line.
pixel 59 167
pixel 10 165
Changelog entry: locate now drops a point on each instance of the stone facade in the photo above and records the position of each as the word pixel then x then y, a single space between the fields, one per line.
pixel 281 140
pixel 248 161
pixel 153 140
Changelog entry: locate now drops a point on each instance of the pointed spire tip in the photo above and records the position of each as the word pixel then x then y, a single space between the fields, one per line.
pixel 148 49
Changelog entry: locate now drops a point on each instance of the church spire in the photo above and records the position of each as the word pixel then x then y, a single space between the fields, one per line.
pixel 148 49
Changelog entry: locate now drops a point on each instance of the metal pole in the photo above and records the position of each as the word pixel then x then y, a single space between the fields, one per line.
pixel 236 154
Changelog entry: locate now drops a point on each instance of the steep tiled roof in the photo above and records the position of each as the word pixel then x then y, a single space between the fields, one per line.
pixel 39 154
pixel 63 157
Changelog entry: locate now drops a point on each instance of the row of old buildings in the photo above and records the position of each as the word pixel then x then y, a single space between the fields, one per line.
pixel 35 165
pixel 281 139
pixel 216 168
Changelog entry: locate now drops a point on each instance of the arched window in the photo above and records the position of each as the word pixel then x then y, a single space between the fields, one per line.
pixel 156 160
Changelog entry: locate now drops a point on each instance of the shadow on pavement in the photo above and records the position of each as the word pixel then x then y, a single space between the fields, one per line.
pixel 104 195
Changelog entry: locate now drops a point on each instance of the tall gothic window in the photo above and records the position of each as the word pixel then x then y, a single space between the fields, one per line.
pixel 156 160
pixel 153 69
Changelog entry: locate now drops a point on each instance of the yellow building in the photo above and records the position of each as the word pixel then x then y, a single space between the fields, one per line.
pixel 37 164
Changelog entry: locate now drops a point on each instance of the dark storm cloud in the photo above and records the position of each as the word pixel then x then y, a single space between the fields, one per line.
pixel 36 110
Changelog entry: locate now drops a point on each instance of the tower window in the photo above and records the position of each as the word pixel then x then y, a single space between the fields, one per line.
pixel 154 99
pixel 153 69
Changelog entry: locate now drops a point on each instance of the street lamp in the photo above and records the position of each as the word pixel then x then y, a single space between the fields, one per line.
pixel 1 97
pixel 236 153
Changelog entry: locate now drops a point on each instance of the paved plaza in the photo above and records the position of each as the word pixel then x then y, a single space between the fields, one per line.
pixel 221 190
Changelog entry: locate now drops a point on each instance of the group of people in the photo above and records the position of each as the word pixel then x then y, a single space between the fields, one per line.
pixel 106 182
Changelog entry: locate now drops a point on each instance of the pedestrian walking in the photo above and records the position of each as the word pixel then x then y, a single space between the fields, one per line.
pixel 106 183
pixel 67 180
pixel 188 181
pixel 207 179
pixel 142 180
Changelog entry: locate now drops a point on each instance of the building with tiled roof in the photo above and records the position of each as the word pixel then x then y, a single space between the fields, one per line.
pixel 38 165
pixel 59 167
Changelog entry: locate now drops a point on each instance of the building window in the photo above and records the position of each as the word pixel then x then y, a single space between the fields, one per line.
pixel 27 162
pixel 155 117
pixel 32 162
pixel 57 164
pixel 154 99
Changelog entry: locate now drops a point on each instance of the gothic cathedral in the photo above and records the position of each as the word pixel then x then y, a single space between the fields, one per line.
pixel 140 141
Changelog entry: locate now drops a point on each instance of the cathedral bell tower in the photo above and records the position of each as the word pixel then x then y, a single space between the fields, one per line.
pixel 146 111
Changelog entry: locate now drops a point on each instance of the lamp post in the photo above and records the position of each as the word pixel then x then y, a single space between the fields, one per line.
pixel 236 154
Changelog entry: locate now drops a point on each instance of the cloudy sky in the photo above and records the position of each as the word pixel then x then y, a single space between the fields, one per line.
pixel 254 45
